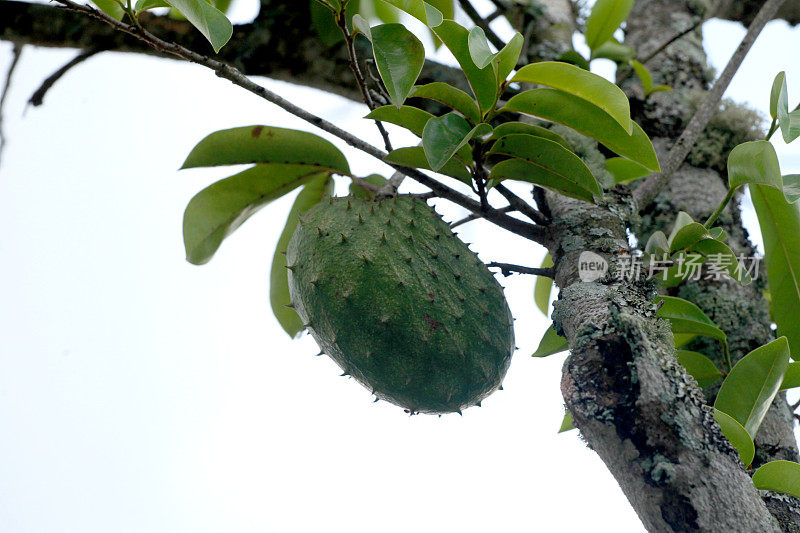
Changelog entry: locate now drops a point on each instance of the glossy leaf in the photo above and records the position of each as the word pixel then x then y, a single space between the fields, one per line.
pixel 754 163
pixel 657 243
pixel 625 170
pixel 521 170
pixel 567 424
pixel 219 209
pixel 700 367
pixel 722 257
pixel 266 144
pixel 574 58
pixel 414 157
pixel 687 236
pixel 360 25
pixel 543 288
pixel 779 476
pixel 686 317
pixel 780 229
pixel 450 96
pixel 551 343
pixel 606 17
pixel 581 83
pixel 559 169
pixel 479 49
pixel 506 59
pixel 791 379
pixel 399 56
pixel 144 5
pixel 211 22
pixel 737 436
pixel 112 8
pixel 408 117
pixel 279 298
pixel 482 81
pixel 444 136
pixel 511 128
pixel 420 10
pixel 586 118
pixel 752 384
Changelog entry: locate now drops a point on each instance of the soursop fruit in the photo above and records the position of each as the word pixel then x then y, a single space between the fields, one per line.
pixel 400 303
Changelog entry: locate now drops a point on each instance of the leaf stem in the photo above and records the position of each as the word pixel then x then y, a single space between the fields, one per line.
pixel 772 129
pixel 725 201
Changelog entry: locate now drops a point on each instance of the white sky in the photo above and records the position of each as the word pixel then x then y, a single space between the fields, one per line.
pixel 139 393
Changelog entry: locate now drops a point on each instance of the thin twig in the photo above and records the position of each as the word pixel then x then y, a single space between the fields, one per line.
pixel 233 75
pixel 37 98
pixel 507 269
pixel 341 21
pixel 476 216
pixel 648 190
pixel 482 24
pixel 392 184
pixel 16 53
pixel 521 205
pixel 666 44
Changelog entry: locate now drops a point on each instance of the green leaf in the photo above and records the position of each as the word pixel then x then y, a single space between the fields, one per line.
pixel 550 165
pixel 360 192
pixel 789 122
pixel 586 118
pixel 754 163
pixel 482 81
pixel 410 118
pixel 360 25
pixel 144 5
pixel 444 136
pixel 700 367
pixel 615 51
pixel 737 436
pixel 574 58
pixel 521 170
pixel 779 476
pixel 606 17
pixel 324 24
pixel 686 317
pixel 418 9
pixel 266 144
pixel 644 76
pixel 211 22
pixel 112 8
pixel 581 83
pixel 279 298
pixel 687 236
pixel 791 187
pixel 450 96
pixel 778 86
pixel 445 7
pixel 511 128
pixel 791 379
pixel 399 56
pixel 625 170
pixel 543 288
pixel 479 49
pixel 567 423
pixel 657 243
pixel 719 254
pixel 414 157
pixel 749 389
pixel 506 59
pixel 780 229
pixel 219 209
pixel 551 343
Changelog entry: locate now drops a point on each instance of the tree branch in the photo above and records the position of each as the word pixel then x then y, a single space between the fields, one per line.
pixel 507 269
pixel 37 97
pixel 16 53
pixel 231 74
pixel 648 190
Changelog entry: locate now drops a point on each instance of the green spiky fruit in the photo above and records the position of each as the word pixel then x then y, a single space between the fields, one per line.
pixel 400 303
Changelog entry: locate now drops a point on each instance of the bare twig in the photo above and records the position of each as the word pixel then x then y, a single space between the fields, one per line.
pixel 392 184
pixel 648 190
pixel 481 23
pixel 16 53
pixel 341 21
pixel 233 75
pixel 476 216
pixel 666 44
pixel 521 205
pixel 37 97
pixel 507 269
